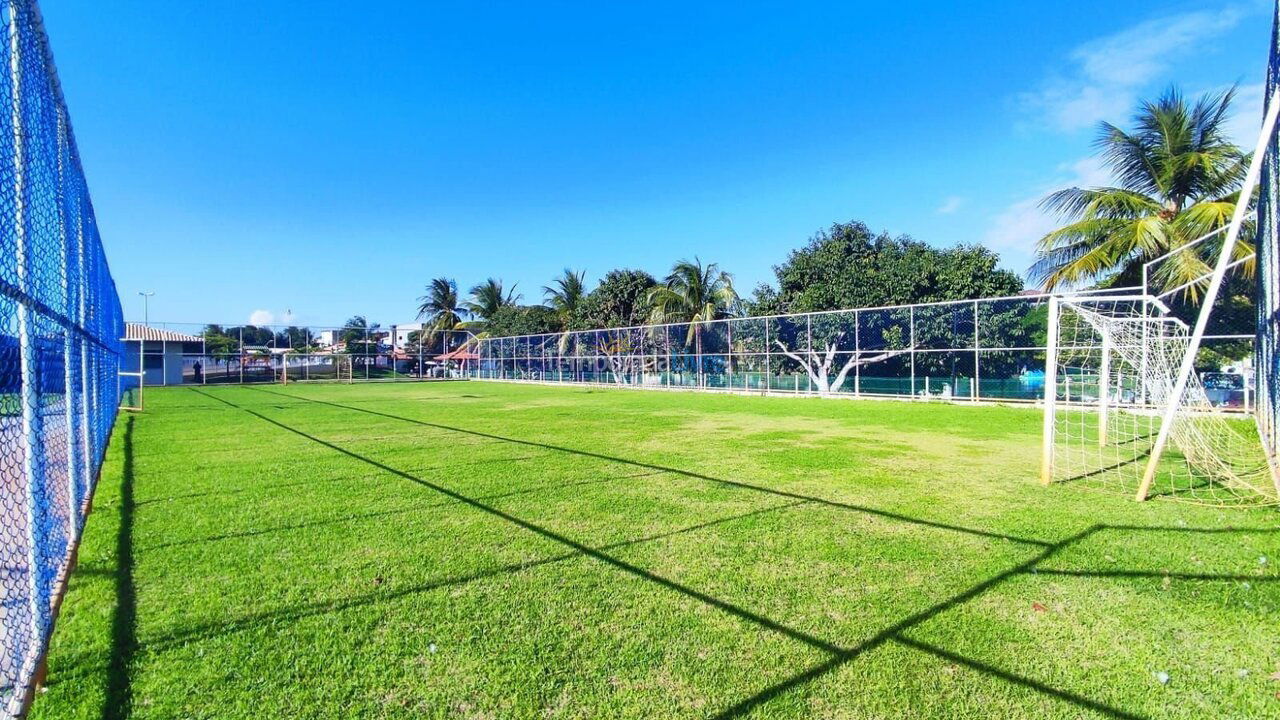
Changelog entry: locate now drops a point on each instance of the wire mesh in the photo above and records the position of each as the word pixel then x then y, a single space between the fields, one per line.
pixel 60 329
pixel 1114 371
pixel 990 349
pixel 1268 275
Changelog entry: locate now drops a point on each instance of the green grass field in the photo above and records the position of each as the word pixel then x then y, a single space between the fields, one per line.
pixel 487 550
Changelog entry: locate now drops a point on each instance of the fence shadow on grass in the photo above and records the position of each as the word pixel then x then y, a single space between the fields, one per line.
pixel 118 699
pixel 675 471
pixel 356 517
pixel 838 655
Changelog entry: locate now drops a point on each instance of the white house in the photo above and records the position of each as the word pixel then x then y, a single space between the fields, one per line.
pixel 400 333
pixel 326 338
pixel 162 354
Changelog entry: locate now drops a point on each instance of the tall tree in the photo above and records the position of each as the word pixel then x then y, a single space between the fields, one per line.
pixel 523 320
pixel 565 295
pixel 848 266
pixel 440 307
pixel 620 300
pixel 694 293
pixel 1177 178
pixel 488 298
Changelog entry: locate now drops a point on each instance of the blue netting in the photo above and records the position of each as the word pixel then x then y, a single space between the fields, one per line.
pixel 1268 246
pixel 60 329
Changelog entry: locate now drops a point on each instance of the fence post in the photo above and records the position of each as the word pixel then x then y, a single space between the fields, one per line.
pixel 974 392
pixel 70 283
pixel 37 506
pixel 911 343
pixel 857 354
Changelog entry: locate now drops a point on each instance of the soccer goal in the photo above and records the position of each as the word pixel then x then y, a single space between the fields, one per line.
pixel 1124 405
pixel 1112 368
pixel 343 368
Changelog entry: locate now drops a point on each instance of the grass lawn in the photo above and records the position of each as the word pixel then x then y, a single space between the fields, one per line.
pixel 488 550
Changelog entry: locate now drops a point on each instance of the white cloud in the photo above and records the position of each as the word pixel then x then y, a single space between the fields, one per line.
pixel 1015 230
pixel 1246 115
pixel 262 317
pixel 950 205
pixel 267 317
pixel 1106 73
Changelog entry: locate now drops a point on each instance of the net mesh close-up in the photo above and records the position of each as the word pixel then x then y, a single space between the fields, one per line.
pixel 60 330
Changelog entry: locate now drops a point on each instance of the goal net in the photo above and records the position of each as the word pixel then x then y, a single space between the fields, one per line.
pixel 1110 375
pixel 344 368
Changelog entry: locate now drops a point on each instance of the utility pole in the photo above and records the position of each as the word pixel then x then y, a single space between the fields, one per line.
pixel 146 297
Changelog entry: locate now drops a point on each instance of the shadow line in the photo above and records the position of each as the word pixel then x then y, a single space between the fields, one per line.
pixel 381 513
pixel 1140 574
pixel 324 607
pixel 893 632
pixel 118 701
pixel 675 471
pixel 1009 677
pixel 637 571
pixel 839 654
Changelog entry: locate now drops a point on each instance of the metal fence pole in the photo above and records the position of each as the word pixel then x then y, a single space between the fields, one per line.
pixel 70 287
pixel 911 343
pixel 808 333
pixel 32 467
pixel 857 353
pixel 974 392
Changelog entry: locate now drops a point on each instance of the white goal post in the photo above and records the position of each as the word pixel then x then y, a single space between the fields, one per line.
pixel 1121 392
pixel 1111 366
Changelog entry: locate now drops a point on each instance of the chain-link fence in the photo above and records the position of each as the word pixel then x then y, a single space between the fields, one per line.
pixel 988 349
pixel 60 329
pixel 1268 277
pixel 168 353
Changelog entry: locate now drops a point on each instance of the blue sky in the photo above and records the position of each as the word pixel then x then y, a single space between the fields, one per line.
pixel 309 161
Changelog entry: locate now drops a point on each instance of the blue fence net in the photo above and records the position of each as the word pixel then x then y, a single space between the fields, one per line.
pixel 1268 248
pixel 60 330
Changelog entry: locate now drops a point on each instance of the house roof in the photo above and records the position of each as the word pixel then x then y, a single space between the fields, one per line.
pixel 462 353
pixel 138 331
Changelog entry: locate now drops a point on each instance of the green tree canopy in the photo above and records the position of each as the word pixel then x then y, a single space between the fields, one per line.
pixel 523 320
pixel 565 295
pixel 1177 178
pixel 694 293
pixel 848 266
pixel 440 306
pixel 620 300
pixel 487 298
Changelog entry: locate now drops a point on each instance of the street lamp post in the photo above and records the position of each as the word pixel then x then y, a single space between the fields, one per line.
pixel 146 297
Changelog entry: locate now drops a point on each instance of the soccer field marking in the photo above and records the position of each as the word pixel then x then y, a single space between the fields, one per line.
pixel 685 473
pixel 840 655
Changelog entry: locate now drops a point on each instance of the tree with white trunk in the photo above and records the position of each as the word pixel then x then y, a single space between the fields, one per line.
pixel 818 365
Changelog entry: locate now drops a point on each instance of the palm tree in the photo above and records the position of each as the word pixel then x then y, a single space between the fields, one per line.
pixel 565 294
pixel 440 306
pixel 1178 179
pixel 693 293
pixel 488 298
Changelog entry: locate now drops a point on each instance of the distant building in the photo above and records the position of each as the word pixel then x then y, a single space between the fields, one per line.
pixel 400 334
pixel 326 338
pixel 163 354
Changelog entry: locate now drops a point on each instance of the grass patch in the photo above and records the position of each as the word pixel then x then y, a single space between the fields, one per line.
pixel 488 550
